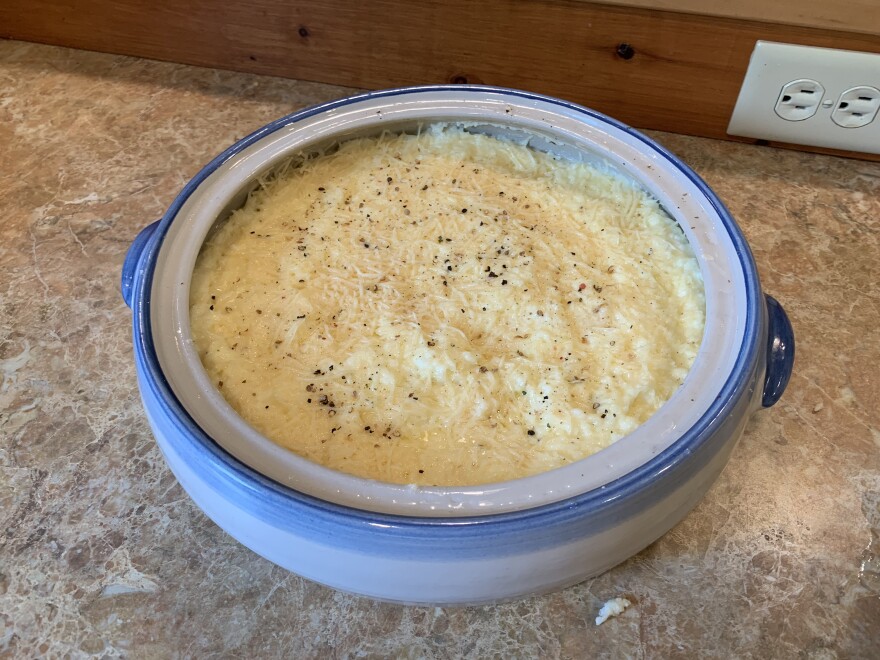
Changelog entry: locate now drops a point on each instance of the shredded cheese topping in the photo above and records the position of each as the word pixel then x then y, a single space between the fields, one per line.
pixel 446 308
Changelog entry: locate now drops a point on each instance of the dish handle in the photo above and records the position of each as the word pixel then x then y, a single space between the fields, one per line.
pixel 132 259
pixel 780 352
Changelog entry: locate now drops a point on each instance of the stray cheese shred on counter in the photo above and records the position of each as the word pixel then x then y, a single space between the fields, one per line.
pixel 446 308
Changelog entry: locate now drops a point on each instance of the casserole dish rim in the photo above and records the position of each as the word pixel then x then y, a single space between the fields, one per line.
pixel 731 391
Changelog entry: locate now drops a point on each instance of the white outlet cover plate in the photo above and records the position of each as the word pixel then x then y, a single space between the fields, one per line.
pixel 773 65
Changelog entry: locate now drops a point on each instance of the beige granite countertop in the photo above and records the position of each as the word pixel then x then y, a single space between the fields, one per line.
pixel 103 555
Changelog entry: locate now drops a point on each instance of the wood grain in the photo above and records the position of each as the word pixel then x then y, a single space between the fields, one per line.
pixel 847 15
pixel 684 75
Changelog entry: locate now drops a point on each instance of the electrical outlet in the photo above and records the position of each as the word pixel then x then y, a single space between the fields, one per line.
pixel 856 107
pixel 819 97
pixel 799 100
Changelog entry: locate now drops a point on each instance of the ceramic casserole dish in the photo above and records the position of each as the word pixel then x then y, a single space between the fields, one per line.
pixel 470 544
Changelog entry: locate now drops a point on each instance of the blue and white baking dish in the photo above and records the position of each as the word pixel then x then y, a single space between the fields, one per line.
pixel 470 544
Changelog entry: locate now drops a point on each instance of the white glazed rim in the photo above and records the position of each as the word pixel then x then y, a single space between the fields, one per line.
pixel 679 193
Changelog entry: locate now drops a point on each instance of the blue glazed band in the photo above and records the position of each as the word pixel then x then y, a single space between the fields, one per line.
pixel 780 352
pixel 132 261
pixel 468 536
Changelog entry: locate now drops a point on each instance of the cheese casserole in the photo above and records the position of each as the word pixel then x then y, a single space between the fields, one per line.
pixel 446 308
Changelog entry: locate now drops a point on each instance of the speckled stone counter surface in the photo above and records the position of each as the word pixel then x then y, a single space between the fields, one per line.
pixel 103 555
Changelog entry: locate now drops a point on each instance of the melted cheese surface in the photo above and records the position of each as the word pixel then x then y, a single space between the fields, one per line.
pixel 446 308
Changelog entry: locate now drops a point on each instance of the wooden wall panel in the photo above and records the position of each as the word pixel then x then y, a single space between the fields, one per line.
pixel 683 76
pixel 849 15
